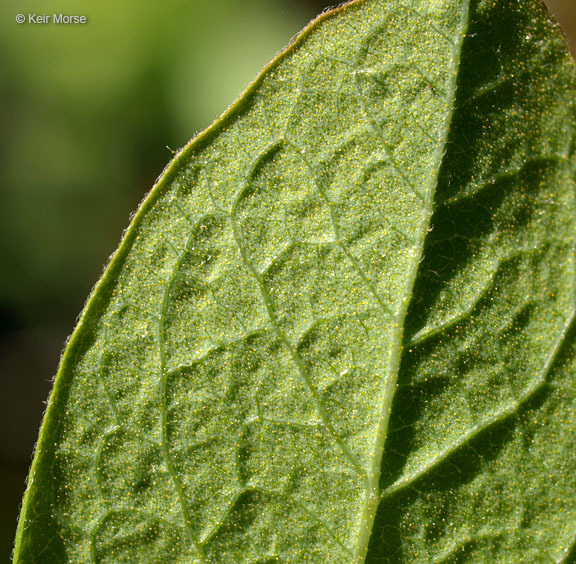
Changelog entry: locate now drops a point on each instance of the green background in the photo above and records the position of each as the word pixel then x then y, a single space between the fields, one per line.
pixel 90 115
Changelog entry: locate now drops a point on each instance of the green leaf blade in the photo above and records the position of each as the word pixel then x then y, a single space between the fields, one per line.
pixel 227 394
pixel 480 440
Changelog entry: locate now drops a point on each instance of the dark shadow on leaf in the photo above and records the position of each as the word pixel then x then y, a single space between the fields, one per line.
pixel 409 403
pixel 393 528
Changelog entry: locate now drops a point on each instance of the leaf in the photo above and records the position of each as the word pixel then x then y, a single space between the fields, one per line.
pixel 341 327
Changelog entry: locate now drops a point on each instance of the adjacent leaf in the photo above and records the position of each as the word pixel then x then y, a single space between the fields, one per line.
pixel 341 327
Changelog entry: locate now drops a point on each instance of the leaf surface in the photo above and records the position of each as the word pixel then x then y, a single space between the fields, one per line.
pixel 340 328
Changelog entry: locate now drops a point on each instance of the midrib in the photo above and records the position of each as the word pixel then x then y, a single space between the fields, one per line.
pixel 372 498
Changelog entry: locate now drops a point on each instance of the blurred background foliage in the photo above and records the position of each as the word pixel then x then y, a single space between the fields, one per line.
pixel 90 116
